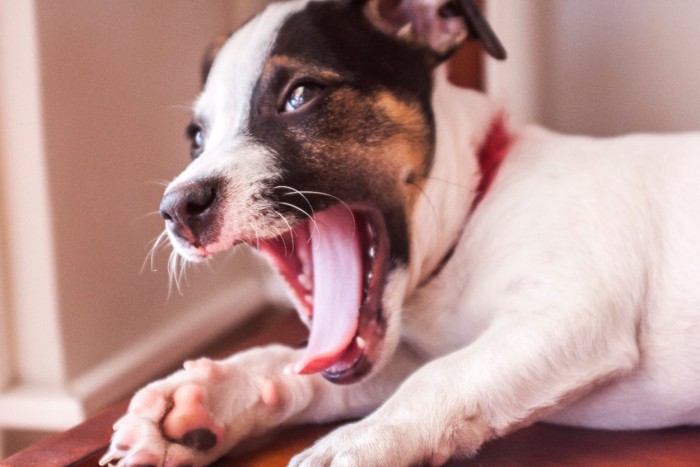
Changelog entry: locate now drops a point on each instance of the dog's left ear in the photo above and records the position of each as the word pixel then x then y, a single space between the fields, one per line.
pixel 441 26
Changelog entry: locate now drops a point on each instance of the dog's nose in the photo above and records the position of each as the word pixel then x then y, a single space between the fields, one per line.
pixel 190 202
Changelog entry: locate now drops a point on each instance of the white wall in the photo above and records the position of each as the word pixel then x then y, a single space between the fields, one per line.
pixel 94 100
pixel 599 66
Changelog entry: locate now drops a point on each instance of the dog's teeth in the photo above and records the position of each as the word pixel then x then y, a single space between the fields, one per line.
pixel 372 252
pixel 304 256
pixel 406 30
pixel 305 281
pixel 361 342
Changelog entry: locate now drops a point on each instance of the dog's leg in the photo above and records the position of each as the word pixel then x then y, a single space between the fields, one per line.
pixel 198 414
pixel 520 369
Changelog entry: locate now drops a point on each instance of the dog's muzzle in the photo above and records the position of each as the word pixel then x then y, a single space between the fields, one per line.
pixel 191 211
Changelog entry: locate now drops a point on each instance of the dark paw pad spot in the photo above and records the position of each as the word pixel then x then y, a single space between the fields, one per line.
pixel 200 439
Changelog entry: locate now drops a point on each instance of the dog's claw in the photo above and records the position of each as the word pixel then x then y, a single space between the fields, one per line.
pixel 109 457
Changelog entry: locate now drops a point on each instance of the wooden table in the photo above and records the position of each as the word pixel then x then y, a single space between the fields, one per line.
pixel 538 445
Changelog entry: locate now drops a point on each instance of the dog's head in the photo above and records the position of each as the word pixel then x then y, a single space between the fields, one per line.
pixel 314 121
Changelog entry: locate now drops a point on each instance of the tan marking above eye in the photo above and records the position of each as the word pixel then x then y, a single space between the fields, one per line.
pixel 309 69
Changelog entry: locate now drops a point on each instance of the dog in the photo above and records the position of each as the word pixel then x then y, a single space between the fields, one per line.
pixel 461 277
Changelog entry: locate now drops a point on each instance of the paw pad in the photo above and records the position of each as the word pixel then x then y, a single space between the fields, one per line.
pixel 201 439
pixel 189 422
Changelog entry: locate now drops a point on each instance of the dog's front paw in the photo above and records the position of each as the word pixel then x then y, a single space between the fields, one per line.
pixel 367 443
pixel 181 420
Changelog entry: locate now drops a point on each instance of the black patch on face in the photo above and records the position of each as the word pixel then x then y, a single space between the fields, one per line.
pixel 334 144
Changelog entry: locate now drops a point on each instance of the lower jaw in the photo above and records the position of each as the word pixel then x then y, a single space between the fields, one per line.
pixel 359 358
pixel 357 369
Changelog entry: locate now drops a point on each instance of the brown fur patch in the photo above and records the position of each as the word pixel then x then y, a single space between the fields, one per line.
pixel 411 144
pixel 384 143
pixel 294 65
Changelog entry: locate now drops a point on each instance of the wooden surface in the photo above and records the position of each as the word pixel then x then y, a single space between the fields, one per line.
pixel 539 445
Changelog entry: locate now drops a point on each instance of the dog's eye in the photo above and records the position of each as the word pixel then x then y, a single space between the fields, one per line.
pixel 301 95
pixel 196 136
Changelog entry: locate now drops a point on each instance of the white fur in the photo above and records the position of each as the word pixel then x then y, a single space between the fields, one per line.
pixel 227 149
pixel 572 296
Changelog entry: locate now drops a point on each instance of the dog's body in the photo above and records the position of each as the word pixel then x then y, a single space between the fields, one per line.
pixel 502 276
pixel 598 236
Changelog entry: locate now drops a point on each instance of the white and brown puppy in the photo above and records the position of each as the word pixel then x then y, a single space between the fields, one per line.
pixel 460 278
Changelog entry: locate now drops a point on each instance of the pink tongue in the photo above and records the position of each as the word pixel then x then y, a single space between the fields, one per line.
pixel 337 271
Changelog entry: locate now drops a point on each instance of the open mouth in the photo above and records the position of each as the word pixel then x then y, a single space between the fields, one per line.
pixel 335 266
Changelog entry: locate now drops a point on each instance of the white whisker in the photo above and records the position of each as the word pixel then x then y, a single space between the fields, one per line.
pixel 432 207
pixel 147 215
pixel 295 191
pixel 177 272
pixel 257 235
pixel 184 107
pixel 303 193
pixel 437 179
pixel 306 214
pixel 345 205
pixel 282 235
pixel 182 274
pixel 172 274
pixel 160 182
pixel 156 245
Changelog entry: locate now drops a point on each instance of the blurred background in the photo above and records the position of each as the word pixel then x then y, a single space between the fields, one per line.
pixel 94 99
pixel 597 66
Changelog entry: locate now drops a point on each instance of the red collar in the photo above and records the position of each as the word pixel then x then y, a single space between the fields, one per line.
pixel 490 156
pixel 492 153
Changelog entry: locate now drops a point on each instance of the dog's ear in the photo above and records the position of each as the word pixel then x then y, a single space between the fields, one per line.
pixel 210 55
pixel 441 26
